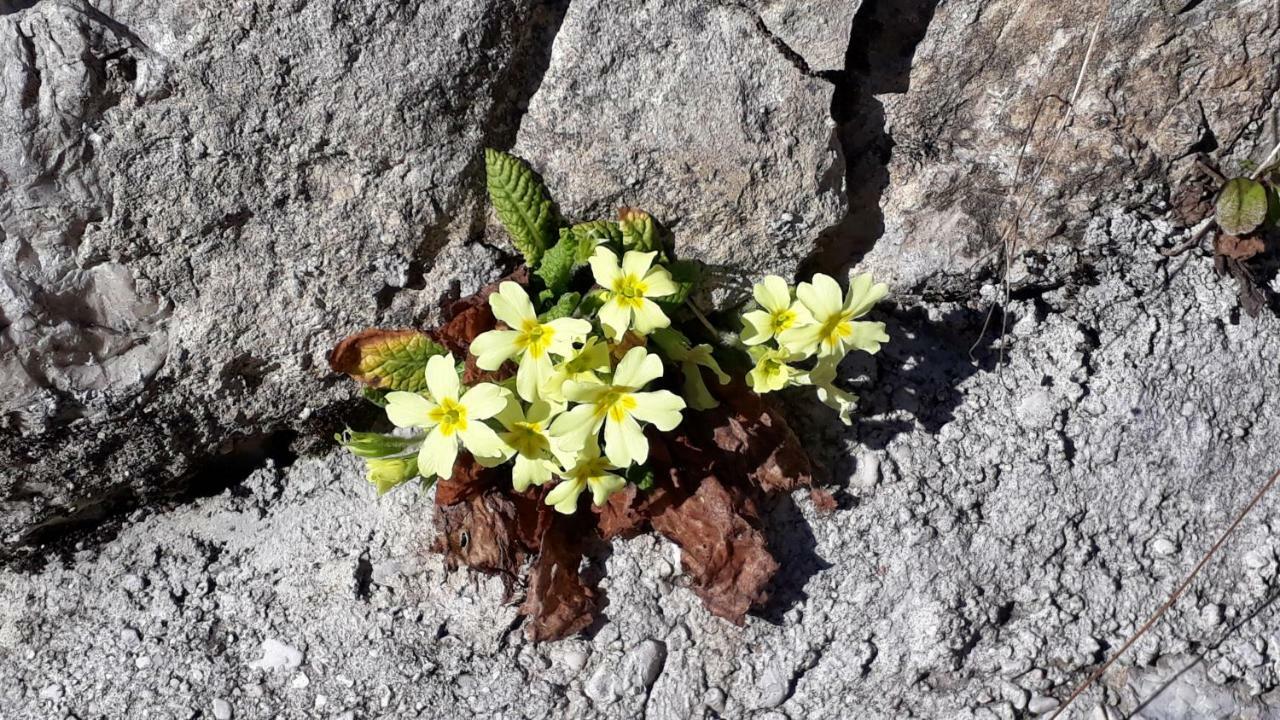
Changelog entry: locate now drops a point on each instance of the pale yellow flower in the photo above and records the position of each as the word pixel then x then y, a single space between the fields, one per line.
pixel 590 471
pixel 772 371
pixel 529 340
pixel 584 365
pixel 822 378
pixel 778 312
pixel 677 348
pixel 619 407
pixel 628 289
pixel 526 434
pixel 834 331
pixel 450 419
pixel 386 473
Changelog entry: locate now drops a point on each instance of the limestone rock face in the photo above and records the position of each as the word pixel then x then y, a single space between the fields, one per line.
pixel 1164 80
pixel 691 111
pixel 198 199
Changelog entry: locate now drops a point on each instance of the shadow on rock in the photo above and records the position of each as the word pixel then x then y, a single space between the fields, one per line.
pixel 793 545
pixel 882 46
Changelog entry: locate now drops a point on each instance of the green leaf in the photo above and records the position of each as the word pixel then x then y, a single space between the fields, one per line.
pixel 1273 206
pixel 372 444
pixel 639 230
pixel 686 274
pixel 1242 206
pixel 572 251
pixel 522 202
pixel 564 307
pixel 388 359
pixel 641 476
pixel 377 396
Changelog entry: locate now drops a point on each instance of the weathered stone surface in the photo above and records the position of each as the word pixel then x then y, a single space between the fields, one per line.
pixel 1166 79
pixel 689 110
pixel 198 199
pixel 817 31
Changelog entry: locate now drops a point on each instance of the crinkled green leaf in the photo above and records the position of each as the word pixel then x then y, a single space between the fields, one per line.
pixel 639 230
pixel 377 396
pixel 522 202
pixel 572 251
pixel 564 307
pixel 641 476
pixel 388 359
pixel 1242 206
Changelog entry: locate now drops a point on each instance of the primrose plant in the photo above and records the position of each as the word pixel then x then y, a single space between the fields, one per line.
pixel 563 374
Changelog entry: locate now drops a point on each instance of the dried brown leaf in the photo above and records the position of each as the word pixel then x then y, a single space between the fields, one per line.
pixel 723 552
pixel 1239 248
pixel 480 532
pixel 559 603
pixel 469 479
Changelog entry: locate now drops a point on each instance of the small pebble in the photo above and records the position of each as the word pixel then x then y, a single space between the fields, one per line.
pixel 221 709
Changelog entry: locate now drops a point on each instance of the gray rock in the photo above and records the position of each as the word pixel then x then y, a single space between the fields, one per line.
pixel 689 110
pixel 977 81
pixel 816 31
pixel 222 709
pixel 195 204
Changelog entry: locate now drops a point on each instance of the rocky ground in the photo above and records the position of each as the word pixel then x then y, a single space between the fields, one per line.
pixel 198 199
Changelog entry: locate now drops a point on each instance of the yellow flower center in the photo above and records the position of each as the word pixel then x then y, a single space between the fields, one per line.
pixel 535 338
pixel 629 290
pixel 450 415
pixel 836 328
pixel 617 403
pixel 589 469
pixel 527 439
pixel 781 320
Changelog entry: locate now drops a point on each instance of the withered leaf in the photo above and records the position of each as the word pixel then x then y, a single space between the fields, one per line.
pixel 723 552
pixel 753 434
pixel 390 359
pixel 469 317
pixel 559 603
pixel 1240 248
pixel 469 479
pixel 480 532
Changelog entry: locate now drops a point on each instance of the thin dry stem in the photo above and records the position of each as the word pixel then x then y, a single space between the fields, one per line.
pixel 1173 598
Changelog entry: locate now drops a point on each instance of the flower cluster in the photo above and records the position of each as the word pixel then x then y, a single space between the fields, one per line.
pixel 570 414
pixel 814 321
pixel 589 354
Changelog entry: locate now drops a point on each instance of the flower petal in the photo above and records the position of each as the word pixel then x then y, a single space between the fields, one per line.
pixel 867 336
pixel 484 401
pixel 533 372
pixel 566 332
pixel 801 340
pixel 494 347
pixel 662 408
pixel 602 486
pixel 583 392
pixel 772 293
pixel 529 472
pixel 512 413
pixel 482 441
pixel 822 296
pixel 511 305
pixel 649 317
pixel 637 368
pixel 604 267
pixel 757 329
pixel 658 283
pixel 407 410
pixel 576 426
pixel 863 293
pixel 437 455
pixel 564 496
pixel 624 442
pixel 637 263
pixel 615 317
pixel 442 377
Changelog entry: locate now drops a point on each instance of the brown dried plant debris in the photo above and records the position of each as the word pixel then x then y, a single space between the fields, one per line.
pixel 709 477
